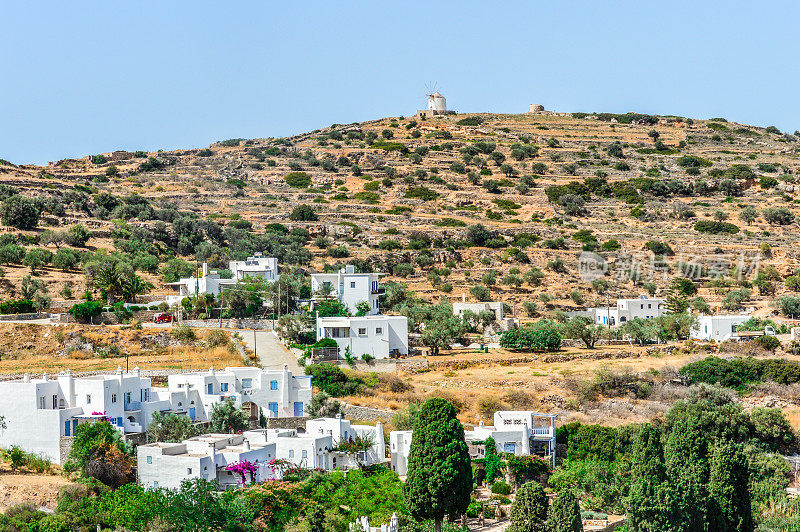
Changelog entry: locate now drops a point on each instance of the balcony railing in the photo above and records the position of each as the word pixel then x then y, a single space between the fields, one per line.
pixel 133 405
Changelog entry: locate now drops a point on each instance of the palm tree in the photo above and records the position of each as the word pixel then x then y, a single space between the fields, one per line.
pixel 133 285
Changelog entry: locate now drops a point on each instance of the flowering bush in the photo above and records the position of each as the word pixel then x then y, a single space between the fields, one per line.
pixel 243 467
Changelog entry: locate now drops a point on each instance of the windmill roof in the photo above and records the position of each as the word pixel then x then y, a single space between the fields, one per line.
pixel 437 94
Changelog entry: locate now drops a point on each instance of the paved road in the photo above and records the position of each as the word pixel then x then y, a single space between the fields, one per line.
pixel 271 353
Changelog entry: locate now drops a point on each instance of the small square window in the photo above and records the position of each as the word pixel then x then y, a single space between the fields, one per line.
pixel 273 385
pixel 362 331
pixel 247 383
pixel 378 330
pixel 352 284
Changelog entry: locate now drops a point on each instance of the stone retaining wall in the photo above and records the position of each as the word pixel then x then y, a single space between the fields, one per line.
pixel 365 413
pixel 261 325
pixel 152 373
pixel 287 422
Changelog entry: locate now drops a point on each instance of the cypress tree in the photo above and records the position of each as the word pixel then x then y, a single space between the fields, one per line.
pixel 439 480
pixel 687 468
pixel 564 514
pixel 529 511
pixel 647 511
pixel 728 489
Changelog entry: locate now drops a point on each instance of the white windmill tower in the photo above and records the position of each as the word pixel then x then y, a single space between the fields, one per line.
pixel 436 101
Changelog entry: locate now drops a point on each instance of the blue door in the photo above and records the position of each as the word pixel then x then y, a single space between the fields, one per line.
pixel 74 425
pixel 191 413
pixel 274 409
pixel 66 428
pixel 298 409
pixel 210 388
pixel 119 422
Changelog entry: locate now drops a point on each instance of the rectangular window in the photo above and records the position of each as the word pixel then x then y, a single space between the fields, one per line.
pixel 273 385
pixel 149 459
pixel 188 470
pixel 127 397
pixel 378 330
pixel 223 386
pixel 362 331
pixel 291 453
pixel 88 399
pixel 305 454
pixel 155 484
pixel 41 403
pixel 247 383
pixel 113 398
pixel 352 284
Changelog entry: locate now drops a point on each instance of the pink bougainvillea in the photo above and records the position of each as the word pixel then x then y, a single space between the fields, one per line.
pixel 243 467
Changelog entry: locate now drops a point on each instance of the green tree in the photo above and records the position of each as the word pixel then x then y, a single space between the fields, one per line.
pixel 491 461
pixel 37 258
pixel 529 511
pixel 647 511
pixel 20 212
pixel 77 236
pixel 88 437
pixel 362 308
pixel 12 254
pixel 171 427
pixel 687 468
pixel 564 514
pixel 442 332
pixel 439 481
pixel 728 489
pixel 226 418
pixel 582 328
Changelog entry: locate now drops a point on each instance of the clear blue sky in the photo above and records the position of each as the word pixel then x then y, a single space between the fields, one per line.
pixel 84 77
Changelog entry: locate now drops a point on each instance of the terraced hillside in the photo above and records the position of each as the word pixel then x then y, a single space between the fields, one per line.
pixel 446 204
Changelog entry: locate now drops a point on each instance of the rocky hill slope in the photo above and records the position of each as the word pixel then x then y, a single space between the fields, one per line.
pixel 505 202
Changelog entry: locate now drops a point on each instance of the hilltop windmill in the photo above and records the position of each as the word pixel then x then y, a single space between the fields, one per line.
pixel 437 104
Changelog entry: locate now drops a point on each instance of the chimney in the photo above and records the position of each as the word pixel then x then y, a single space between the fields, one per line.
pixel 463 298
pixel 205 269
pixel 137 371
pixel 26 377
pixel 246 445
pixel 211 370
pixel 212 452
pixel 44 376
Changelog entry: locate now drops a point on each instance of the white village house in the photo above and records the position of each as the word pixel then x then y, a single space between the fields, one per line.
pixel 211 282
pixel 379 336
pixel 277 393
pixel 41 415
pixel 348 287
pixel 521 433
pixel 496 307
pixel 718 328
pixel 166 465
pixel 625 310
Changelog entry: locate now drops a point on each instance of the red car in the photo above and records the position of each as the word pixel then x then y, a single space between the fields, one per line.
pixel 162 317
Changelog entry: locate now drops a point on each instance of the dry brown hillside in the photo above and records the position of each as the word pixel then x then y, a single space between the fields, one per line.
pixel 377 185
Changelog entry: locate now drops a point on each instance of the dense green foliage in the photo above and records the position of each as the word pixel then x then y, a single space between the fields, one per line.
pixel 738 373
pixel 539 336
